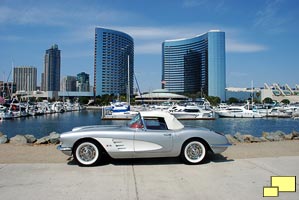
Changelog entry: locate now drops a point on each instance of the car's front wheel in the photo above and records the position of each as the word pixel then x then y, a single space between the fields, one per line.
pixel 87 153
pixel 193 152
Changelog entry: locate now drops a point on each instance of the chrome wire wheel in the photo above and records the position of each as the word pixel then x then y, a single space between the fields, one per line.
pixel 194 152
pixel 87 153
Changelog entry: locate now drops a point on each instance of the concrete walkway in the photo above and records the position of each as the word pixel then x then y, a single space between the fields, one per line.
pixel 147 179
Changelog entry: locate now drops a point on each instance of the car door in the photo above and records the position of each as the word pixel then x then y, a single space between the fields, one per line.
pixel 155 138
pixel 118 143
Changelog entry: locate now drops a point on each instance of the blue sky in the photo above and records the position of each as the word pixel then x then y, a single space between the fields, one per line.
pixel 262 36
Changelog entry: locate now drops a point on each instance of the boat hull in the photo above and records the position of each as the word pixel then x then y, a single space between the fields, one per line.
pixel 239 115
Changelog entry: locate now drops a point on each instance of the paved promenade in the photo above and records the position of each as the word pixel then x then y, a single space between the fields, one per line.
pixel 147 179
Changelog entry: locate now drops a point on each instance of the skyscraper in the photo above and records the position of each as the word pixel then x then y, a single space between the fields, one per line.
pixel 113 62
pixel 51 75
pixel 25 78
pixel 195 64
pixel 69 84
pixel 83 82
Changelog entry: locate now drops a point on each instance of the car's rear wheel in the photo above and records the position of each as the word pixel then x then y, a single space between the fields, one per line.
pixel 193 152
pixel 87 153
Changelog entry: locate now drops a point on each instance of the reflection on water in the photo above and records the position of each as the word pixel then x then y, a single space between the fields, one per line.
pixel 43 125
pixel 254 126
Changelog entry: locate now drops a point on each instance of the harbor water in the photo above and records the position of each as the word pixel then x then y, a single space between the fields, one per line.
pixel 40 126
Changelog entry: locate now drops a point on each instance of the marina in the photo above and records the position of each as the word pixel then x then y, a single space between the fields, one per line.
pixel 185 110
pixel 41 118
pixel 15 109
pixel 42 125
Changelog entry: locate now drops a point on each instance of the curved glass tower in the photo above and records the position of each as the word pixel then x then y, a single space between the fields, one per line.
pixel 195 64
pixel 113 62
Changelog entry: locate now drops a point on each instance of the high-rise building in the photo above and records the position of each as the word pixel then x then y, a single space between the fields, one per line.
pixel 25 78
pixel 83 82
pixel 51 75
pixel 113 62
pixel 69 84
pixel 7 89
pixel 195 64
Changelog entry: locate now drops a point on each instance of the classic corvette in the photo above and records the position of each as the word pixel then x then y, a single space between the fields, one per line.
pixel 149 134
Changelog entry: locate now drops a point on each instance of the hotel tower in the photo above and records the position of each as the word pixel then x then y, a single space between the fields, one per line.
pixel 113 62
pixel 195 64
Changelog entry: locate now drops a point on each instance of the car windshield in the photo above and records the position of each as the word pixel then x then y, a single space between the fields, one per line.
pixel 136 122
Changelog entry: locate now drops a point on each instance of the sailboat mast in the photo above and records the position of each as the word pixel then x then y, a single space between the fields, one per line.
pixel 128 90
pixel 252 92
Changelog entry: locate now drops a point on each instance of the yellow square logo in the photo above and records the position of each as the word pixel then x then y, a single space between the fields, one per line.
pixel 284 183
pixel 270 191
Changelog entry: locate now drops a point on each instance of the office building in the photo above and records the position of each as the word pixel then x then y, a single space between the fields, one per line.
pixel 195 65
pixel 113 62
pixel 7 89
pixel 69 83
pixel 51 75
pixel 25 78
pixel 83 82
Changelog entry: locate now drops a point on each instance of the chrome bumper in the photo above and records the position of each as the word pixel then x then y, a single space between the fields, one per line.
pixel 66 150
pixel 219 148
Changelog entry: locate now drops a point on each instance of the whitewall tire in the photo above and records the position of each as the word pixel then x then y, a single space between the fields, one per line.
pixel 193 152
pixel 87 153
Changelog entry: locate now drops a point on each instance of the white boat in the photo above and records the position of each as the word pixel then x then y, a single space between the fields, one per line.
pixel 279 112
pixel 163 106
pixel 4 115
pixel 117 110
pixel 239 112
pixel 58 107
pixel 45 107
pixel 118 107
pixel 18 110
pixel 119 115
pixel 190 111
pixel 221 106
pixel 77 107
pixel 3 108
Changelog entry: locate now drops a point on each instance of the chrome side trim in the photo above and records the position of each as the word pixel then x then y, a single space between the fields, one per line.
pixel 221 145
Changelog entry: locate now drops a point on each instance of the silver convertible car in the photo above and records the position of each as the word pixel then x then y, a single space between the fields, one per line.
pixel 149 134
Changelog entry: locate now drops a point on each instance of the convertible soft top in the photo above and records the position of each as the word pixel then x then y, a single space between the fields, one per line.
pixel 171 121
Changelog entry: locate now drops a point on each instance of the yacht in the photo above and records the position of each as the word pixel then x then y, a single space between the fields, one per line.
pixel 117 110
pixel 58 107
pixel 119 107
pixel 190 111
pixel 5 113
pixel 18 110
pixel 239 112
